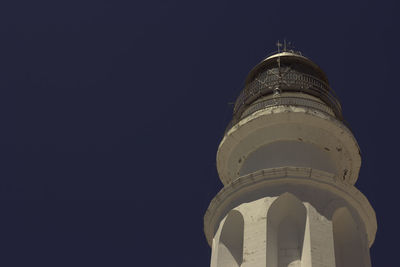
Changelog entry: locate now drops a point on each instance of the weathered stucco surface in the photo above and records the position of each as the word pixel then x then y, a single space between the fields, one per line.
pixel 289 163
pixel 300 230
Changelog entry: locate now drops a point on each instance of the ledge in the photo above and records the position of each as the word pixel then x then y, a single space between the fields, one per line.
pixel 289 175
pixel 287 123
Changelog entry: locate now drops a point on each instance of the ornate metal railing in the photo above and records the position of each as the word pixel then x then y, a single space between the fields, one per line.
pixel 287 101
pixel 289 81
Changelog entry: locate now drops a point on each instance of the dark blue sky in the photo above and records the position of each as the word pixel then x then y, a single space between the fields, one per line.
pixel 111 113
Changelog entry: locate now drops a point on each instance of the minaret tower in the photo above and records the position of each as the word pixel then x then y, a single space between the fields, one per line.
pixel 289 162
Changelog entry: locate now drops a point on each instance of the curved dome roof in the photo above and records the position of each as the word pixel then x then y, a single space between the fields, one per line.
pixel 281 73
pixel 294 59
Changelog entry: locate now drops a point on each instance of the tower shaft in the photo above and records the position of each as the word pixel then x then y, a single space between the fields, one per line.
pixel 288 164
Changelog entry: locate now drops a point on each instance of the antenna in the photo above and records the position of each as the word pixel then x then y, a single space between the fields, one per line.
pixel 277 89
pixel 286 47
pixel 278 44
pixel 290 47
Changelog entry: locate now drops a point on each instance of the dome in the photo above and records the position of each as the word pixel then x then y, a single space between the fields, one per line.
pixel 286 78
pixel 292 58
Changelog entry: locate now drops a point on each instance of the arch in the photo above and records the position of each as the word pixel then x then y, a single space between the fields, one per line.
pixel 230 246
pixel 347 240
pixel 286 222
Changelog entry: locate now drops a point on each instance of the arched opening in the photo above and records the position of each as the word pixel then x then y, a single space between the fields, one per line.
pixel 347 240
pixel 286 222
pixel 230 246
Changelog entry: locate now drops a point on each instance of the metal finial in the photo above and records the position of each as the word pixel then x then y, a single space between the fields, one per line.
pixel 279 45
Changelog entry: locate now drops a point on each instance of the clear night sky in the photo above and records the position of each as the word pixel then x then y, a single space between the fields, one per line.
pixel 111 113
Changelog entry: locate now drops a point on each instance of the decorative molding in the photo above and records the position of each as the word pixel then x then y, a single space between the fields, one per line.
pixel 292 175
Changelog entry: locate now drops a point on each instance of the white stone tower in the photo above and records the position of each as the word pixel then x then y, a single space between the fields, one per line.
pixel 288 163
